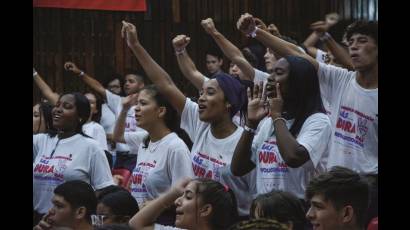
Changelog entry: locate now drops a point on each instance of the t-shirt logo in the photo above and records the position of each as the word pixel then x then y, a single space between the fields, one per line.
pixel 362 126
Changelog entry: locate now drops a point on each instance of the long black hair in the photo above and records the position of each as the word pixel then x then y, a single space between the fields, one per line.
pixel 304 97
pixel 83 111
pixel 171 118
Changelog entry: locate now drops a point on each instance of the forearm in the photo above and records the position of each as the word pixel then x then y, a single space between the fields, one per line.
pixel 95 85
pixel 241 161
pixel 46 90
pixel 119 129
pixel 234 54
pixel 147 215
pixel 310 43
pixel 154 71
pixel 341 55
pixel 291 151
pixel 189 70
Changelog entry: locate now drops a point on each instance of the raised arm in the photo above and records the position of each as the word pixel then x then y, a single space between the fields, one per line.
pixel 185 63
pixel 45 89
pixel 341 54
pixel 310 43
pixel 241 161
pixel 247 25
pixel 87 79
pixel 145 217
pixel 229 49
pixel 156 74
pixel 293 153
pixel 119 129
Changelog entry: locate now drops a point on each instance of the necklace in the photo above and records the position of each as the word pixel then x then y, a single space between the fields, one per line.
pixel 152 146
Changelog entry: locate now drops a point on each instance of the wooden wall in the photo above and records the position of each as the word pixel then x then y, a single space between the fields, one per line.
pixel 92 38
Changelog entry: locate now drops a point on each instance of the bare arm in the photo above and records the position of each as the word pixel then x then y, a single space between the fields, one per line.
pixel 241 161
pixel 157 75
pixel 310 43
pixel 45 89
pixel 247 25
pixel 145 217
pixel 185 63
pixel 341 54
pixel 229 49
pixel 90 81
pixel 119 129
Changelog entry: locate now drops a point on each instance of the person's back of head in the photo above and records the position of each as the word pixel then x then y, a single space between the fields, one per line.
pixel 279 205
pixel 259 224
pixel 81 198
pixel 346 192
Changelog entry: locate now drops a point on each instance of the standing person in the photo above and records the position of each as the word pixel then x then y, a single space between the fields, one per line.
pixel 201 204
pixel 353 97
pixel 68 154
pixel 163 157
pixel 92 127
pixel 291 145
pixel 133 83
pixel 208 123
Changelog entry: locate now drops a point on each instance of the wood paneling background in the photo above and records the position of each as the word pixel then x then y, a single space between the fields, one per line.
pixel 92 38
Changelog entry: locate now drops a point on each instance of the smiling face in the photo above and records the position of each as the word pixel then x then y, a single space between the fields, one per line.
pixel 132 84
pixel 323 215
pixel 114 86
pixel 65 114
pixel 212 104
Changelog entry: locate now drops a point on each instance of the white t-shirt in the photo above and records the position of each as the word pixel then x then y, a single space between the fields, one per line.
pixel 107 119
pixel 321 56
pixel 114 102
pixel 159 166
pixel 96 131
pixel 354 117
pixel 74 158
pixel 163 227
pixel 273 172
pixel 211 157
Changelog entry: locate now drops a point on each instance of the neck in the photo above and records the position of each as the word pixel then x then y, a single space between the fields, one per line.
pixel 83 225
pixel 223 128
pixel 369 78
pixel 158 131
pixel 66 134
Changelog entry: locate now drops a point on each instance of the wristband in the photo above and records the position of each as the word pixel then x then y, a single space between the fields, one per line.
pixel 81 74
pixel 179 51
pixel 279 118
pixel 35 74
